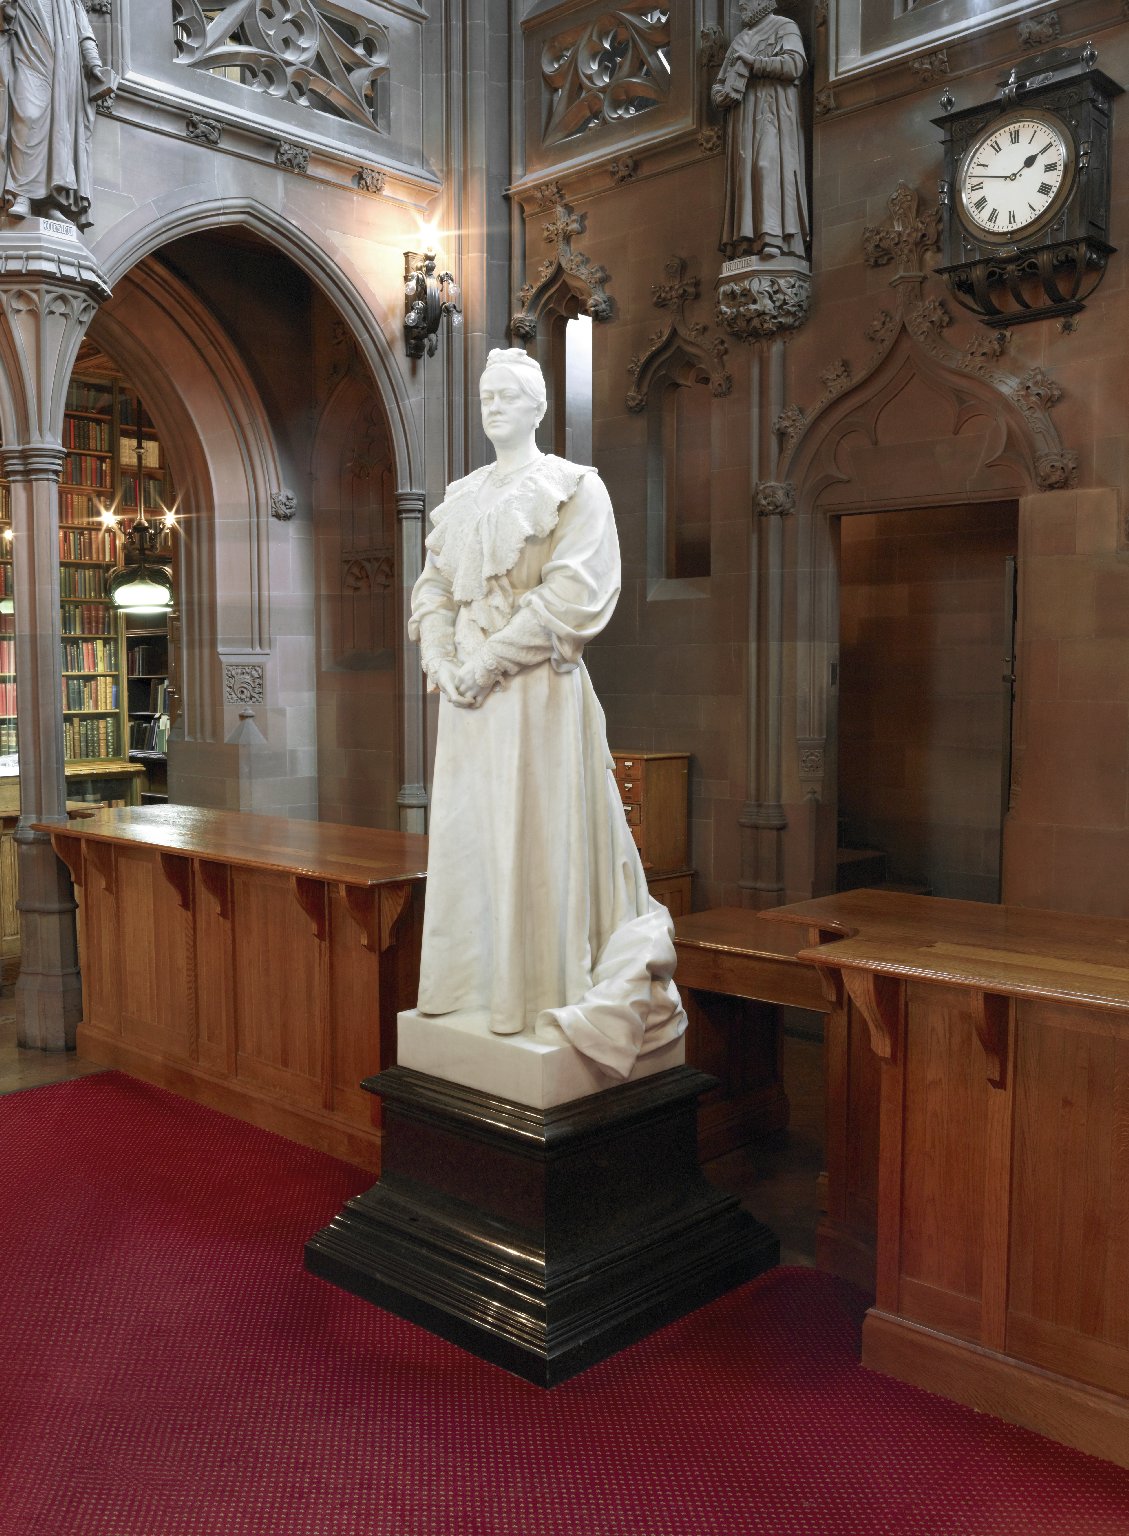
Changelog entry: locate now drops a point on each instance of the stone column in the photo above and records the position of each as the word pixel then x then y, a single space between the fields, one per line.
pixel 50 287
pixel 412 798
pixel 763 821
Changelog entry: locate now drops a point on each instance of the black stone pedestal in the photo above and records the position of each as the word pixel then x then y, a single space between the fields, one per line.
pixel 542 1240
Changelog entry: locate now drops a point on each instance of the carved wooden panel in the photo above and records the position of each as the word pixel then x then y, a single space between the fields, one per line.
pixel 279 1013
pixel 156 1003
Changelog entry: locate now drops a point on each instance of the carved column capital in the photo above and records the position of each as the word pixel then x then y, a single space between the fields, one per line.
pixel 756 305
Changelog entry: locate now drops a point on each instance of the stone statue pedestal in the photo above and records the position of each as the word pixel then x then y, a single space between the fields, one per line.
pixel 541 1239
pixel 759 297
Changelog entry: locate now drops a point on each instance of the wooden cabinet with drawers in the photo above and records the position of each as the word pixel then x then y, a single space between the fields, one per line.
pixel 655 788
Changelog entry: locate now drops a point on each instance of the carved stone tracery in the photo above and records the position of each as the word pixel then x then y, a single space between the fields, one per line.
pixel 681 341
pixel 317 53
pixel 607 71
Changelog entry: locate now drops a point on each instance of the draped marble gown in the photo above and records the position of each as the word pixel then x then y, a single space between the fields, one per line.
pixel 537 909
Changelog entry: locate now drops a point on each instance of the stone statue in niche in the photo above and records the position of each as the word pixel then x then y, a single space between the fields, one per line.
pixel 51 78
pixel 537 912
pixel 766 201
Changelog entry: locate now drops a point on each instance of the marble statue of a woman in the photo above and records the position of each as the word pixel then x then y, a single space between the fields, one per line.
pixel 537 912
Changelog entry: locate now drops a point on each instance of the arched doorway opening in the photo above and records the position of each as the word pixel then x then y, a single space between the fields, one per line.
pixel 283 448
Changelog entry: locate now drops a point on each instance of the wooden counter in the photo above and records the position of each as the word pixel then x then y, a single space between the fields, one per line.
pixel 252 963
pixel 734 971
pixel 1002 1037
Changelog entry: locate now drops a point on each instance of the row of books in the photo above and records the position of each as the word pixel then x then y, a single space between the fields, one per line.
pixel 78 619
pixel 130 409
pixel 99 737
pixel 88 469
pixel 149 735
pixel 81 432
pixel 81 655
pixel 82 581
pixel 83 395
pixel 7 698
pixel 90 693
pixel 76 506
pixel 155 492
pixel 146 659
pixel 8 739
pixel 86 544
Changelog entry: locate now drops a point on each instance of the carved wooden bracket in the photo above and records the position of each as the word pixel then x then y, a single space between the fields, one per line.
pixel 879 999
pixel 216 880
pixel 177 870
pixel 100 858
pixel 394 902
pixel 69 849
pixel 361 904
pixel 313 898
pixel 992 1015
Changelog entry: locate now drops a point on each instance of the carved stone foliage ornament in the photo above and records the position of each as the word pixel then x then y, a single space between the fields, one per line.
pixel 292 157
pixel 931 66
pixel 568 269
pixel 624 169
pixel 244 682
pixel 902 242
pixel 906 235
pixel 1041 32
pixel 283 505
pixel 609 70
pixel 681 341
pixel 773 498
pixel 203 130
pixel 762 305
pixel 369 179
pixel 321 54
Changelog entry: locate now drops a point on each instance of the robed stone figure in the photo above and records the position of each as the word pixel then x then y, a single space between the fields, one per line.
pixel 766 204
pixel 51 77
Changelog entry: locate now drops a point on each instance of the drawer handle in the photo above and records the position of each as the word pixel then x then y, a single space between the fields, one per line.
pixel 629 786
pixel 628 762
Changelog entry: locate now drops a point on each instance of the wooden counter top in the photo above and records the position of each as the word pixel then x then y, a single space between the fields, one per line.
pixel 735 930
pixel 1011 951
pixel 316 850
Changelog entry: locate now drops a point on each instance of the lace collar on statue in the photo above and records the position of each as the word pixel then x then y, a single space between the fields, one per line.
pixel 475 547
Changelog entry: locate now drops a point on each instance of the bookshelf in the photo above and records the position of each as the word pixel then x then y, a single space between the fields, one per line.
pixel 147 701
pixel 112 457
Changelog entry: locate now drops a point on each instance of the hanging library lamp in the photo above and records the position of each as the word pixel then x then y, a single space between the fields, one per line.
pixel 141 582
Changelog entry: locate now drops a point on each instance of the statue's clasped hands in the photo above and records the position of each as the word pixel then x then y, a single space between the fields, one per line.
pixel 458 684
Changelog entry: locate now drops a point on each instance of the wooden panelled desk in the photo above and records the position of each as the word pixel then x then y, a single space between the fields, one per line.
pixel 734 968
pixel 253 963
pixel 1003 1188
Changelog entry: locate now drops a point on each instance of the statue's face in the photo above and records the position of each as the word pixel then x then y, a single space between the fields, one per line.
pixel 509 413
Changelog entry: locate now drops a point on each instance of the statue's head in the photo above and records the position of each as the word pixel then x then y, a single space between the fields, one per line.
pixel 752 11
pixel 512 392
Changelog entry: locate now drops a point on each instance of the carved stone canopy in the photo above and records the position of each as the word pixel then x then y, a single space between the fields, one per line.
pixel 681 342
pixel 569 274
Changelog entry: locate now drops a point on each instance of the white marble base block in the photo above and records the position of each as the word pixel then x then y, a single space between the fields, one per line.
pixel 527 1068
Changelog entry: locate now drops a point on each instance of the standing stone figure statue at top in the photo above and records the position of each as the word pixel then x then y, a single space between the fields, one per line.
pixel 51 77
pixel 766 204
pixel 537 914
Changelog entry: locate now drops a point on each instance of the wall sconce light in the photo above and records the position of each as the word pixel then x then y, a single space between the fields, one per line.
pixel 428 296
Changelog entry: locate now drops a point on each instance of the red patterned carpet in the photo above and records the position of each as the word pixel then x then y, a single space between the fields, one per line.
pixel 167 1368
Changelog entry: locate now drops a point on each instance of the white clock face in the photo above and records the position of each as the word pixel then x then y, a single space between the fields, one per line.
pixel 1012 174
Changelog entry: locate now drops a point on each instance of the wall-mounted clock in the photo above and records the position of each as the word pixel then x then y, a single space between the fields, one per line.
pixel 1026 194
